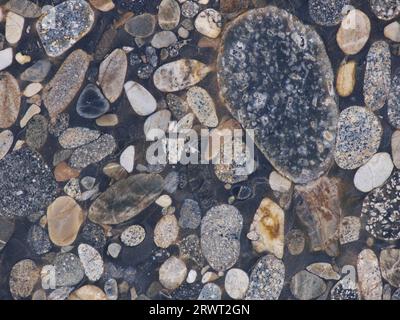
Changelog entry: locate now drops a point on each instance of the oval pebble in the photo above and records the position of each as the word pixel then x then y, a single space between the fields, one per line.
pixel 236 283
pixel 327 12
pixel 169 14
pixel 385 9
pixel 202 105
pixel 166 231
pixel 172 273
pixel 141 100
pixel 369 275
pixel 91 261
pixel 209 23
pixel 133 235
pixel 23 277
pixel 91 103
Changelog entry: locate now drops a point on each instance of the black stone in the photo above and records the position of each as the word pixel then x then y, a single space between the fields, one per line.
pixel 91 103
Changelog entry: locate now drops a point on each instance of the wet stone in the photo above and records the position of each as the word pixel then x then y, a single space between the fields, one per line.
pixel 210 291
pixel 377 75
pixel 258 101
pixel 91 103
pixel 133 235
pixel 91 261
pixel 126 199
pixel 220 233
pixel 380 210
pixel 17 197
pixel 10 96
pixel 23 278
pixel 38 240
pixel 177 105
pixel 141 26
pixel 190 214
pixel 307 286
pixel 266 279
pixel 389 264
pixel 36 132
pixel 69 270
pixel 327 12
pixel 385 9
pixel 358 138
pixel 76 137
pixel 60 27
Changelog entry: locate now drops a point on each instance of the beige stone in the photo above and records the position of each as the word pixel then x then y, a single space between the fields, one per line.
pixel 88 292
pixel 392 31
pixel 166 231
pixel 346 78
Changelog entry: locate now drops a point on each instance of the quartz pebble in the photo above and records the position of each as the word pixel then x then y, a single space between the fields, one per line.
pixel 346 78
pixel 6 58
pixel 141 100
pixel 279 183
pixel 172 273
pixel 354 32
pixel 14 27
pixel 236 283
pixel 133 235
pixel 91 103
pixel 202 106
pixel 369 275
pixel 166 231
pixel 208 23
pixel 10 95
pixel 32 89
pixel 6 140
pixel 114 249
pixel 127 159
pixel 374 173
pixel 91 261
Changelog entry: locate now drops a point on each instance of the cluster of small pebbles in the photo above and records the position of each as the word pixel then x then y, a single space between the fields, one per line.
pixel 87 87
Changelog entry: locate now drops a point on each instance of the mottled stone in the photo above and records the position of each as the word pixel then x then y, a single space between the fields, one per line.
pixel 385 9
pixel 190 214
pixel 38 240
pixel 166 231
pixel 91 261
pixel 389 261
pixel 169 14
pixel 358 137
pixel 60 27
pixel 254 93
pixel 25 8
pixel 202 105
pixel 172 273
pixel 236 283
pixel 107 120
pixel 94 235
pixel 346 288
pixel 392 31
pixel 295 241
pixel 163 39
pixel 380 210
pixel 220 233
pixel 141 26
pixel 126 199
pixel 395 146
pixel 210 291
pixel 369 275
pixel 320 212
pixel 327 12
pixel 133 235
pixel 190 9
pixel 68 269
pixel 6 230
pixel 6 140
pixel 349 230
pixel 266 279
pixel 141 100
pixel 323 270
pixel 377 75
pixel 23 277
pixel 59 124
pixel 36 132
pixel 307 286
pixel 209 23
pixel 88 292
pixel 91 103
pixel 10 97
pixel 62 89
pixel 76 137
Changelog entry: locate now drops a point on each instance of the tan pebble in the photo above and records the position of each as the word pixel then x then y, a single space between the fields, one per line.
pixel 22 59
pixel 88 292
pixel 33 110
pixel 32 89
pixel 63 172
pixel 107 120
pixel 392 31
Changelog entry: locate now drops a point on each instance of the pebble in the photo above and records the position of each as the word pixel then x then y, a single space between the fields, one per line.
pixel 36 132
pixel 114 249
pixel 25 8
pixel 202 106
pixel 395 146
pixel 209 23
pixel 14 27
pixel 6 141
pixel 140 99
pixel 346 78
pixel 133 235
pixel 190 214
pixel 115 171
pixel 369 275
pixel 93 152
pixel 126 199
pixel 354 32
pixel 159 120
pixel 236 283
pixel 177 105
pixel 327 13
pixel 279 183
pixel 107 120
pixel 103 5
pixel 91 103
pixel 62 89
pixel 76 137
pixel 164 201
pixel 191 277
pixel 60 294
pixel 11 97
pixel 379 210
pixel 7 227
pixel 377 75
pixel 374 173
pixel 389 264
pixel 19 198
pixel 32 111
pixel 91 261
pixel 306 155
pixel 23 277
pixel 209 277
pixel 346 288
pixel 295 241
pixel 220 233
pixel 179 75
pixel 349 231
pixel 127 159
pixel 163 39
pixel 94 235
pixel 22 59
pixel 169 14
pixel 392 31
pixel 166 231
pixel 268 226
pixel 142 26
pixel 111 289
pixel 32 89
pixel 210 291
pixel 68 269
pixel 172 273
pixel 88 292
pixel 112 74
pixel 358 137
pixel 385 9
pixel 307 286
pixel 38 240
pixel 6 58
pixel 323 270
pixel 394 101
pixel 190 9
pixel 60 124
pixel 37 72
pixel 61 26
pixel 64 218
pixel 266 279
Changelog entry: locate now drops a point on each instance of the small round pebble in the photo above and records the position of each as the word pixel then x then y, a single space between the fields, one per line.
pixel 133 235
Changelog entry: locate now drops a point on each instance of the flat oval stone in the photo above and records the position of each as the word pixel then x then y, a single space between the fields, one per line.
pixel 133 235
pixel 91 103
pixel 369 275
pixel 60 27
pixel 142 26
pixel 36 132
pixel 202 105
pixel 163 39
pixel 14 27
pixel 23 277
pixel 112 74
pixel 10 97
pixel 91 261
pixel 327 12
pixel 169 14
pixel 380 210
pixel 76 137
pixel 389 261
pixel 359 134
pixel 126 199
pixel 6 140
pixel 220 233
pixel 266 279
pixel 346 78
pixel 37 72
pixel 374 173
pixel 179 75
pixel 236 283
pixel 62 89
pixel 172 273
pixel 307 286
pixel 209 23
pixel 127 158
pixel 166 231
pixel 6 58
pixel 274 96
pixel 385 9
pixel 88 292
pixel 141 100
pixel 323 270
pixel 377 75
pixel 354 32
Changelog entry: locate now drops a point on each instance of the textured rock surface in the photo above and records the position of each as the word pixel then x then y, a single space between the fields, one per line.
pixel 23 277
pixel 389 260
pixel 10 97
pixel 385 9
pixel 369 275
pixel 327 12
pixel 255 96
pixel 306 286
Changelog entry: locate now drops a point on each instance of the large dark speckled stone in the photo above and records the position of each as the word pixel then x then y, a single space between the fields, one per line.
pixel 276 78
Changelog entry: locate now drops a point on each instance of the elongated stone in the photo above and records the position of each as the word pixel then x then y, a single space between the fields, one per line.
pixel 141 100
pixel 169 14
pixel 369 275
pixel 253 90
pixel 10 100
pixel 25 8
pixel 203 106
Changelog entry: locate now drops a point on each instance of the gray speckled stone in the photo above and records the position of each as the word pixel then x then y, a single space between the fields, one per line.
pixel 38 240
pixel 76 137
pixel 36 132
pixel 69 269
pixel 307 286
pixel 6 230
pixel 327 12
pixel 394 101
pixel 385 9
pixel 377 75
pixel 380 210
pixel 210 292
pixel 358 138
pixel 220 235
pixel 190 214
pixel 281 85
pixel 37 72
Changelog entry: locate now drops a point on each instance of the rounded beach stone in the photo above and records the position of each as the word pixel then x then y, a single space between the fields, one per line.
pixel 10 95
pixel 359 134
pixel 133 235
pixel 166 231
pixel 172 273
pixel 385 9
pixel 91 103
pixel 327 12
pixel 236 283
pixel 254 93
pixel 169 14
pixel 23 277
pixel 369 275
pixel 394 101
pixel 141 26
